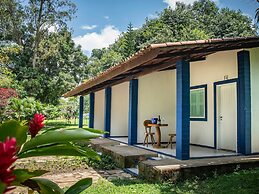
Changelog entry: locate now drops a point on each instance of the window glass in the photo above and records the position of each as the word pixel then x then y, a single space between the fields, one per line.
pixel 197 102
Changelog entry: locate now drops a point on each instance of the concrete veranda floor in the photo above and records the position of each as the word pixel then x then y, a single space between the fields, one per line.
pixel 146 162
pixel 195 151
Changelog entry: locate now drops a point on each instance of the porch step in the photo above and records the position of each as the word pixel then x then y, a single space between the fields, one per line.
pixel 155 158
pixel 174 170
pixel 132 171
pixel 123 155
pixel 97 143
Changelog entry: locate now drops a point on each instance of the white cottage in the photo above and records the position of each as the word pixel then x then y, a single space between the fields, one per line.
pixel 206 91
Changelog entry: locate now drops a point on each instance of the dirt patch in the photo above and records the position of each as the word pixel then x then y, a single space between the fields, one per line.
pixel 65 171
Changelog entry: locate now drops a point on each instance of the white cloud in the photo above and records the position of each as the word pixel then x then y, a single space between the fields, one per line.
pixel 153 16
pixel 172 3
pixel 52 29
pixel 95 40
pixel 89 27
pixel 106 17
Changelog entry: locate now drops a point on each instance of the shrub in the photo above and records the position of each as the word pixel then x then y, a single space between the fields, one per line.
pixel 106 163
pixel 25 108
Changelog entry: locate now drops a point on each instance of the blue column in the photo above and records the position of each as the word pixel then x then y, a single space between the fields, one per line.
pixel 91 111
pixel 81 111
pixel 133 112
pixel 107 111
pixel 244 103
pixel 183 110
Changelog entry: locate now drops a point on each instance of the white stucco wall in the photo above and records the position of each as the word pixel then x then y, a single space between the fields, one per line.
pixel 120 109
pixel 254 62
pixel 157 97
pixel 99 110
pixel 211 70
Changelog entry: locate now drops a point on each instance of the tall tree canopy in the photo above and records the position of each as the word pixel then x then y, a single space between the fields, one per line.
pixel 202 20
pixel 49 62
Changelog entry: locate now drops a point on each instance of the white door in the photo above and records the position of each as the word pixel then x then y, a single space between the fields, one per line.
pixel 227 116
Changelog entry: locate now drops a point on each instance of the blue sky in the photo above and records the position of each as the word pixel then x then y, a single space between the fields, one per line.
pixel 98 23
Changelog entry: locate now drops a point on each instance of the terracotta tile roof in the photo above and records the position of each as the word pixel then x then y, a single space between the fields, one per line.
pixel 156 57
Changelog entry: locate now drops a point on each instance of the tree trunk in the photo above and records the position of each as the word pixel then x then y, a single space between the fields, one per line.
pixel 37 35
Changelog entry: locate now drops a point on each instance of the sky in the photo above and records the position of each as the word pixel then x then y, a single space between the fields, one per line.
pixel 98 23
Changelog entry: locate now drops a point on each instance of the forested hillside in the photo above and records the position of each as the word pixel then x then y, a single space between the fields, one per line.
pixel 202 20
pixel 39 59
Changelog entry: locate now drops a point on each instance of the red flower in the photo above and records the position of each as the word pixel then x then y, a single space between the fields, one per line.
pixel 36 124
pixel 7 158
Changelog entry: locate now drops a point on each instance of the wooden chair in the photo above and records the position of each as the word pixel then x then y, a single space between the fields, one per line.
pixel 170 142
pixel 148 133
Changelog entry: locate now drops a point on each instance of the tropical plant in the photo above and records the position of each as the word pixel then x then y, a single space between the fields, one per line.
pixel 15 145
pixel 51 111
pixel 69 108
pixel 22 109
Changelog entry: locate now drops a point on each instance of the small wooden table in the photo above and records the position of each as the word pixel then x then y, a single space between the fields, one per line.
pixel 158 133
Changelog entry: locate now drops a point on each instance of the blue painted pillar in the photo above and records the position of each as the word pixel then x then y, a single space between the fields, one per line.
pixel 244 103
pixel 91 110
pixel 107 111
pixel 133 112
pixel 183 110
pixel 81 111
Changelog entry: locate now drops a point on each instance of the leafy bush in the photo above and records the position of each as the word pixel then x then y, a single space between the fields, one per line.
pixel 51 111
pixel 105 163
pixel 69 108
pixel 5 95
pixel 25 108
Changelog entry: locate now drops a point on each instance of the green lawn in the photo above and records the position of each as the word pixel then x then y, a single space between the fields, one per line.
pixel 239 182
pixel 65 123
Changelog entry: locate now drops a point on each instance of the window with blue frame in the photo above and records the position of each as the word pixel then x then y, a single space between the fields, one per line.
pixel 198 103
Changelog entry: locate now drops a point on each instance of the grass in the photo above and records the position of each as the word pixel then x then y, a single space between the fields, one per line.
pixel 105 163
pixel 65 123
pixel 242 182
pixel 53 164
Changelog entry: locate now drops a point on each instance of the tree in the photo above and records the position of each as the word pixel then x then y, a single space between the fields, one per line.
pixel 12 17
pixel 58 64
pixel 129 46
pixel 103 59
pixel 43 14
pixel 257 13
pixel 61 66
pixel 202 20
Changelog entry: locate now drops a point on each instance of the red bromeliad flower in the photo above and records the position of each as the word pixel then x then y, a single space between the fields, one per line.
pixel 36 124
pixel 7 158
